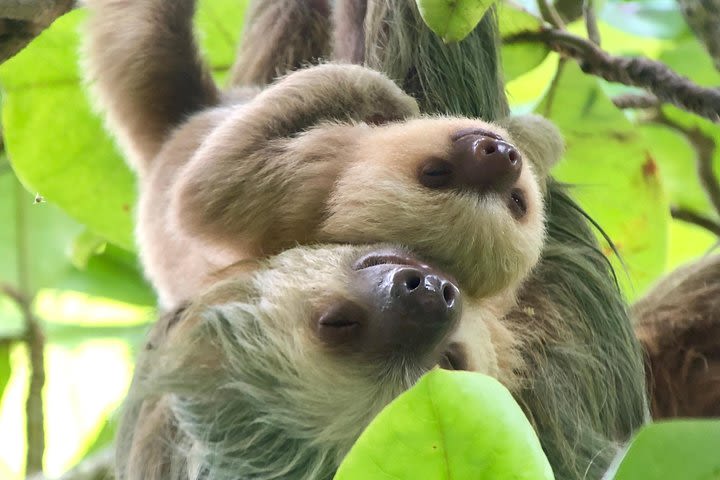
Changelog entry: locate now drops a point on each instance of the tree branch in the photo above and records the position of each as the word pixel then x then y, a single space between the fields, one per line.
pixel 35 340
pixel 656 77
pixel 637 101
pixel 552 89
pixel 703 17
pixel 549 14
pixel 591 22
pixel 23 20
pixel 695 218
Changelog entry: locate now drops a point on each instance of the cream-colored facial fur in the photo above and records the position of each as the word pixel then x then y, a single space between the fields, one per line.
pixel 257 373
pixel 326 154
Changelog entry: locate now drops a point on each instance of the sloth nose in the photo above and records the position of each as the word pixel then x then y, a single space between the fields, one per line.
pixel 410 306
pixel 486 163
pixel 479 160
pixel 423 295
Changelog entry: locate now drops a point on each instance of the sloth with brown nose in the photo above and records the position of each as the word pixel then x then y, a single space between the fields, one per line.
pixel 275 373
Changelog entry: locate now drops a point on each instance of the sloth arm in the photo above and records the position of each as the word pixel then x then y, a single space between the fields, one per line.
pixel 279 36
pixel 263 176
pixel 146 69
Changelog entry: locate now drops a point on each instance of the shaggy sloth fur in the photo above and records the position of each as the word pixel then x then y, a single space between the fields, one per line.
pixel 584 386
pixel 580 377
pixel 227 177
pixel 678 324
pixel 239 384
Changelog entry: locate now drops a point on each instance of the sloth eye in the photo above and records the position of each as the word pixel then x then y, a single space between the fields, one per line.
pixel 436 173
pixel 517 203
pixel 341 323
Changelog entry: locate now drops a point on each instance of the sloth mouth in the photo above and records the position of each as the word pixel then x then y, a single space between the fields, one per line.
pixel 387 258
pixel 475 131
pixel 453 358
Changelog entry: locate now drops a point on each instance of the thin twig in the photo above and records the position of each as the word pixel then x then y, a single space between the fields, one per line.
pixel 704 146
pixel 695 218
pixel 656 77
pixel 591 22
pixel 703 17
pixel 549 14
pixel 637 101
pixel 34 338
pixel 23 20
pixel 552 89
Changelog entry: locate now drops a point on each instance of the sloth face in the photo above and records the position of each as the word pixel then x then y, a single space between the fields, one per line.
pixel 477 192
pixel 311 345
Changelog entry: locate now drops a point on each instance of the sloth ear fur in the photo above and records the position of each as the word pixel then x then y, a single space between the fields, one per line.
pixel 538 138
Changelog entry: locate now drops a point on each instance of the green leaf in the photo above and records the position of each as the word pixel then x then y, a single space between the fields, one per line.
pixel 678 167
pixel 113 274
pixel 453 20
pixel 34 239
pixel 615 175
pixel 519 58
pixel 40 240
pixel 58 146
pixel 450 425
pixel 5 369
pixel 685 449
pixel 85 246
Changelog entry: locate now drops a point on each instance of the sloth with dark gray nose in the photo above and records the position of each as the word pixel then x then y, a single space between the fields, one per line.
pixel 275 372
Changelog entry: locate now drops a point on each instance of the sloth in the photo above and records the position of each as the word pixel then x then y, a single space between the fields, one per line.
pixel 577 372
pixel 289 363
pixel 332 153
pixel 678 324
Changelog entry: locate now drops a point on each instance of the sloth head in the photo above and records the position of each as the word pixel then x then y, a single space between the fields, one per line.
pixel 461 192
pixel 277 371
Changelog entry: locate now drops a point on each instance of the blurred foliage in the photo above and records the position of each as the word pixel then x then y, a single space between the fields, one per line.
pixel 453 20
pixel 73 253
pixel 686 449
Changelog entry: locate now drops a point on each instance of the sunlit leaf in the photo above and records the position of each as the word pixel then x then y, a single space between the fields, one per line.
pixel 450 425
pixel 615 173
pixel 685 449
pixel 58 146
pixel 112 274
pixel 5 369
pixel 688 242
pixel 85 246
pixel 453 20
pixel 518 58
pixel 34 239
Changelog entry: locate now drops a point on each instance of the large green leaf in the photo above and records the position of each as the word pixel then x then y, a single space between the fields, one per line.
pixel 112 274
pixel 615 173
pixel 58 146
pixel 34 239
pixel 685 449
pixel 453 20
pixel 518 58
pixel 450 425
pixel 38 238
pixel 689 57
